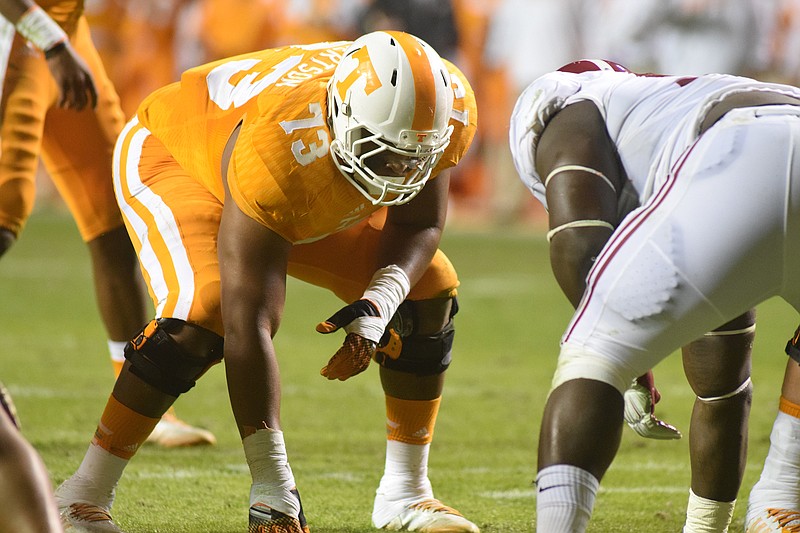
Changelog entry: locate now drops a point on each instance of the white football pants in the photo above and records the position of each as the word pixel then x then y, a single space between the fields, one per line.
pixel 719 237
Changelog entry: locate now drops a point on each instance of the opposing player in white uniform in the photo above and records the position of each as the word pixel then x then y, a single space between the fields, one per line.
pixel 710 160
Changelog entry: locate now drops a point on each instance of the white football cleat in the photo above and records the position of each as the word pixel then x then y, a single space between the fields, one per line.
pixel 172 432
pixel 772 520
pixel 81 517
pixel 427 515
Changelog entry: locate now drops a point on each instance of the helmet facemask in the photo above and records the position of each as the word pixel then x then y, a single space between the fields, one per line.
pixel 374 146
pixel 356 158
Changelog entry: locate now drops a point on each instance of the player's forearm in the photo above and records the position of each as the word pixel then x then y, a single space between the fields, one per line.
pixel 12 10
pixel 409 247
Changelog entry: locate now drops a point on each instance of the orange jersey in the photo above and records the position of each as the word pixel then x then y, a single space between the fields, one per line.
pixel 281 172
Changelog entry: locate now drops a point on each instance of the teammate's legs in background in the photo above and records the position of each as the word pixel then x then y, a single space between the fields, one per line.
pixel 80 166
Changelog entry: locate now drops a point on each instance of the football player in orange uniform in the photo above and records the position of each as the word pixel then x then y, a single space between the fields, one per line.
pixel 324 162
pixel 40 114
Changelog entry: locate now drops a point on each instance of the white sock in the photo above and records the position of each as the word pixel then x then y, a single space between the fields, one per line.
pixel 565 496
pixel 95 479
pixel 405 472
pixel 405 480
pixel 272 476
pixel 707 516
pixel 116 349
pixel 779 484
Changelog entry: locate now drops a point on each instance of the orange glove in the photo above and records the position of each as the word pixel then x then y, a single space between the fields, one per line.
pixel 364 326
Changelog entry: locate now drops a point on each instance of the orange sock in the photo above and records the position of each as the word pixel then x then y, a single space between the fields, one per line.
pixel 789 408
pixel 411 421
pixel 122 430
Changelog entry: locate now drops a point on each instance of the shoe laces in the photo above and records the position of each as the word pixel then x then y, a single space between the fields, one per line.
pixel 788 520
pixel 433 505
pixel 89 512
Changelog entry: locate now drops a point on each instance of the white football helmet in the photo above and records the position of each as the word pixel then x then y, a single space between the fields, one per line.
pixel 391 94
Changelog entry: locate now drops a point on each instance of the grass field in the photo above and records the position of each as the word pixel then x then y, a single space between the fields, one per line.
pixel 54 362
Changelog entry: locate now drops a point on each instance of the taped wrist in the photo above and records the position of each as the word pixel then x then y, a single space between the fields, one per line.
pixel 37 27
pixel 387 290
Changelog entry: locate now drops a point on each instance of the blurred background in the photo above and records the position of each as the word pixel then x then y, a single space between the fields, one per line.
pixel 501 46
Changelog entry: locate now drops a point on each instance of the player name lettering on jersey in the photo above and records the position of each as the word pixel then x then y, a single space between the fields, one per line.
pixel 325 61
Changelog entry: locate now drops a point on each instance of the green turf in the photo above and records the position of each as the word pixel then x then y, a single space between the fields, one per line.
pixel 483 458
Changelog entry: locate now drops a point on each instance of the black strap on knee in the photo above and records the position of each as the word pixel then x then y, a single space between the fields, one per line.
pixel 793 346
pixel 405 350
pixel 157 359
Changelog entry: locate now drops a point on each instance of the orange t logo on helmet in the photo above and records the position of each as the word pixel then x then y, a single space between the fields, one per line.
pixel 364 68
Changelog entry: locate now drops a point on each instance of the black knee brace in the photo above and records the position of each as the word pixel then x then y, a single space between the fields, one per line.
pixel 158 360
pixel 405 350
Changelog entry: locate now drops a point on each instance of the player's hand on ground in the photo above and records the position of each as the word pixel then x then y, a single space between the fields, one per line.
pixel 75 83
pixel 364 326
pixel 640 403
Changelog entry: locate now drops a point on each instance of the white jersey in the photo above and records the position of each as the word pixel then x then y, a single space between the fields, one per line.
pixel 650 119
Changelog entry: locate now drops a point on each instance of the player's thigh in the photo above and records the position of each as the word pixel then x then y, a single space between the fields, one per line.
pixel 28 91
pixel 345 262
pixel 78 148
pixel 705 249
pixel 173 222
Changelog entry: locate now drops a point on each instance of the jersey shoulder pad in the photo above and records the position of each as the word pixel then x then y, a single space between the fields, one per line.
pixel 534 108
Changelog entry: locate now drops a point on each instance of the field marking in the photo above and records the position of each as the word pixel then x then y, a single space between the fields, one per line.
pixel 530 494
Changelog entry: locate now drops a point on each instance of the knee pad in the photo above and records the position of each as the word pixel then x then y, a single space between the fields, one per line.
pixel 160 361
pixel 404 350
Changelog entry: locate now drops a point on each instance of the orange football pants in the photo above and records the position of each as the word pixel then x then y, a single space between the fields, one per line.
pixel 76 147
pixel 173 222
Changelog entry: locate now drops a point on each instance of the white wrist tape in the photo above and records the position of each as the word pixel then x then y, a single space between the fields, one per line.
pixel 580 224
pixel 565 168
pixel 387 290
pixel 37 26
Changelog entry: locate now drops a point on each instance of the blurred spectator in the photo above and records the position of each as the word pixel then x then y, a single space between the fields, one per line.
pixel 673 36
pixel 135 39
pixel 778 56
pixel 433 21
pixel 525 39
